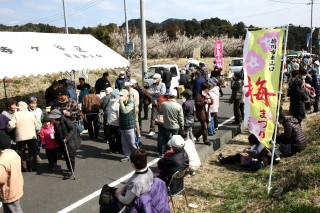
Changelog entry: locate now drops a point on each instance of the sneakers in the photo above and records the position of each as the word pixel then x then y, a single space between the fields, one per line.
pixel 126 159
pixel 84 132
pixel 67 176
pixel 198 139
pixel 209 143
pixel 216 129
pixel 38 159
pixel 152 133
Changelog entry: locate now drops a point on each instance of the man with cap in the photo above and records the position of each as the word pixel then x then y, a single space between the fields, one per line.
pixel 155 90
pixel 126 124
pixel 102 83
pixel 121 80
pixel 174 160
pixel 66 105
pixel 315 83
pixel 70 88
pixel 104 106
pixel 67 137
pixel 173 120
pixel 11 179
pixel 91 107
pixel 134 97
pixel 83 87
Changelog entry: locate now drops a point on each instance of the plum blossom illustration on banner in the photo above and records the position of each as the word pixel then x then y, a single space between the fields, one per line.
pixel 267 41
pixel 254 62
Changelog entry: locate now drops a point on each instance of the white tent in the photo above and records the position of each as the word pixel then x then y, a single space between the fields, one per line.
pixel 26 53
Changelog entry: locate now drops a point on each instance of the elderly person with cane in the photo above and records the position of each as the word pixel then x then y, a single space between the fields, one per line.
pixel 68 139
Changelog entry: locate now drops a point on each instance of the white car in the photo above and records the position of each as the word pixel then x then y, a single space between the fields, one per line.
pixel 195 63
pixel 236 65
pixel 159 68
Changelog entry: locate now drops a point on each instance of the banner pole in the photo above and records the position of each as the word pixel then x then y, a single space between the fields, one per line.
pixel 5 88
pixel 273 142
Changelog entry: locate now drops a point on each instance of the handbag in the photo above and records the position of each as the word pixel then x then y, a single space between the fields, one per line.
pixel 107 195
pixel 100 117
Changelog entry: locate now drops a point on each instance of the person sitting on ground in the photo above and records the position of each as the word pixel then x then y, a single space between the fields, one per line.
pixel 139 183
pixel 245 160
pixel 174 160
pixel 293 136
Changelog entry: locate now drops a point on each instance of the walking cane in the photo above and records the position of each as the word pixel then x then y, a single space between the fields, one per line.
pixel 65 146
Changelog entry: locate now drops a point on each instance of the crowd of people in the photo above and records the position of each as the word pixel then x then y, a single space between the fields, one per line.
pixel 119 109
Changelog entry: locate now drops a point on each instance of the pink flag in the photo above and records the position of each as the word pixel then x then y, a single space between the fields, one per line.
pixel 218 53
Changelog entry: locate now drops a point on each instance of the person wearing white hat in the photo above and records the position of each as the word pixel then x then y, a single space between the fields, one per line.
pixel 173 119
pixel 155 90
pixel 126 124
pixel 121 80
pixel 174 160
pixel 134 97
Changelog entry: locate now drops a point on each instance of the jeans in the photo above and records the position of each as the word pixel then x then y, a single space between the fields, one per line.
pixel 13 207
pixel 211 130
pixel 161 144
pixel 167 133
pixel 93 125
pixel 154 114
pixel 189 132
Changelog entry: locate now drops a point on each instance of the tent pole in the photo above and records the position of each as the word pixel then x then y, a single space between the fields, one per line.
pixel 4 86
pixel 273 142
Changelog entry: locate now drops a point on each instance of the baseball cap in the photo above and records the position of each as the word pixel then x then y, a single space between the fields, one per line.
pixel 295 66
pixel 133 81
pixel 109 90
pixel 172 93
pixel 317 63
pixel 176 141
pixel 127 84
pixel 314 70
pixel 157 76
pixel 123 92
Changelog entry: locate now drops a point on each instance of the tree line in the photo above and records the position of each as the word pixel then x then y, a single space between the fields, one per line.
pixel 173 30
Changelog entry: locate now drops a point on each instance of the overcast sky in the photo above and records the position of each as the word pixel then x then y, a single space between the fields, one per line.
pixel 261 13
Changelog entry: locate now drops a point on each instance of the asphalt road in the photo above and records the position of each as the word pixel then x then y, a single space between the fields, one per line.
pixel 46 192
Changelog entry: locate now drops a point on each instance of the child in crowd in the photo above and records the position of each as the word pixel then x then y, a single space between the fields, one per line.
pixel 48 141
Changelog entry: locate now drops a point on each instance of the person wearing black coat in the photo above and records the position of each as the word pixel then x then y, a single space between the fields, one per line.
pixel 174 160
pixel 184 79
pixel 297 99
pixel 66 136
pixel 51 94
pixel 166 78
pixel 102 83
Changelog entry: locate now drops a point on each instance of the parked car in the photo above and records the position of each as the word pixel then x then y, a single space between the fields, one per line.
pixel 159 68
pixel 236 65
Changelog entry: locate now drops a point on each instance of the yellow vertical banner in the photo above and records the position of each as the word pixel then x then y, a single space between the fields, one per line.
pixel 262 55
pixel 197 53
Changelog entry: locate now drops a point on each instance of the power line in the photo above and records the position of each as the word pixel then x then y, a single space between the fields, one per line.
pixel 73 11
pixel 287 2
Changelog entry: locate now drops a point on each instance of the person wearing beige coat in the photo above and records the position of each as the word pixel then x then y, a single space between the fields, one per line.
pixel 25 124
pixel 11 180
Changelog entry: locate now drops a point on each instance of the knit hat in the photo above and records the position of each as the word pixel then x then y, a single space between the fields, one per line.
pixel 54 114
pixel 314 70
pixel 187 93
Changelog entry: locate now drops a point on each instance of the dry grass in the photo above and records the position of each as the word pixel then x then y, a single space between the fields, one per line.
pixel 231 188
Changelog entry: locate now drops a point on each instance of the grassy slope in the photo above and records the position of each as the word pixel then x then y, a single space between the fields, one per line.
pixel 295 181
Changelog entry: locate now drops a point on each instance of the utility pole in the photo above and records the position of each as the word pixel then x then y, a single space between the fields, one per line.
pixel 65 18
pixel 143 40
pixel 127 30
pixel 310 44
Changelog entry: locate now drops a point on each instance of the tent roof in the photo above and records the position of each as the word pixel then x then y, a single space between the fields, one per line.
pixel 26 53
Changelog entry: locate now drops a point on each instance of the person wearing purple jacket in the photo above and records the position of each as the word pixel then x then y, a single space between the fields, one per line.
pixel 199 80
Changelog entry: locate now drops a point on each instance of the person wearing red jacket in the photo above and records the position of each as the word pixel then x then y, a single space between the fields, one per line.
pixel 49 142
